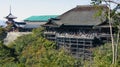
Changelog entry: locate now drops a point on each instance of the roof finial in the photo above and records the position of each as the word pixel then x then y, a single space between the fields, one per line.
pixel 10 9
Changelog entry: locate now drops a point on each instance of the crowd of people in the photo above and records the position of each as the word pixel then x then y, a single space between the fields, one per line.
pixel 80 34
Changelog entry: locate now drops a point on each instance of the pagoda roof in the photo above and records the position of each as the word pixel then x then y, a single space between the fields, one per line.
pixel 10 16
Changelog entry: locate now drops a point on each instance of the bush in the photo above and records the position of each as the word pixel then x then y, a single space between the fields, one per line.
pixel 3 34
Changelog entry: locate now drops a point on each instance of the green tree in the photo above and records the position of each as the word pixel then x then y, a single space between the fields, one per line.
pixel 5 54
pixel 111 15
pixel 9 27
pixel 103 56
pixel 57 58
pixel 34 50
pixel 2 33
pixel 21 42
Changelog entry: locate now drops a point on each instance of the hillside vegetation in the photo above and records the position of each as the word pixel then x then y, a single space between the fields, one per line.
pixel 33 50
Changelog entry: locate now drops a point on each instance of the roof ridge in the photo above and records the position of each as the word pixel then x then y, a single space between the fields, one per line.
pixel 102 5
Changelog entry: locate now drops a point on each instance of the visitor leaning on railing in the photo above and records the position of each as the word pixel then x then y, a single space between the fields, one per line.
pixel 89 35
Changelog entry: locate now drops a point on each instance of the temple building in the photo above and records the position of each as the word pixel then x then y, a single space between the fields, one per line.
pixel 79 29
pixel 13 25
pixel 36 21
pixel 29 23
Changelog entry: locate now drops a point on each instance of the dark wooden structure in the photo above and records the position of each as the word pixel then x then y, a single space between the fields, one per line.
pixel 79 29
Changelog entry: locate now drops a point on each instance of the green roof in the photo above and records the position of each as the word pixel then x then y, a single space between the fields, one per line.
pixel 43 18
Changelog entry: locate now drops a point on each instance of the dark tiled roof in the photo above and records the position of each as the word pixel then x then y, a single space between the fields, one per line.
pixel 83 15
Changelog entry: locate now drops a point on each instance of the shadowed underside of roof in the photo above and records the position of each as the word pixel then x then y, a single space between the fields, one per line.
pixel 44 18
pixel 34 25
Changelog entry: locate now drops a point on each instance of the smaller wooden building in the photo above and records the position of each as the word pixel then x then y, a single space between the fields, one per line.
pixel 36 21
pixel 13 25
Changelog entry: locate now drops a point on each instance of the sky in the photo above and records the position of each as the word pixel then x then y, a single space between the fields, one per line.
pixel 26 8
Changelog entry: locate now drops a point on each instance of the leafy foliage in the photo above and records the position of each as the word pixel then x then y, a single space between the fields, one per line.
pixel 53 58
pixel 102 56
pixel 33 50
pixel 2 33
pixel 9 27
pixel 22 42
pixel 6 54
